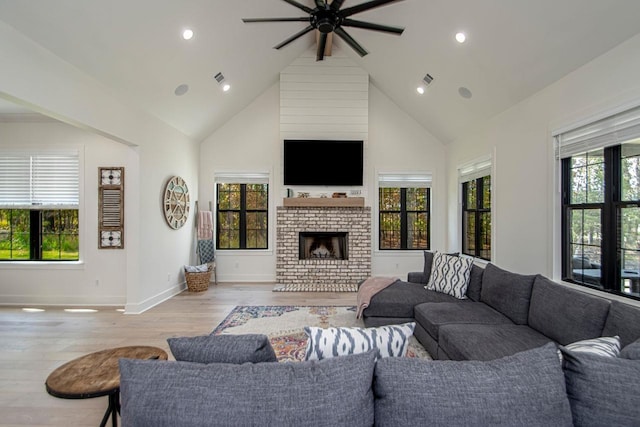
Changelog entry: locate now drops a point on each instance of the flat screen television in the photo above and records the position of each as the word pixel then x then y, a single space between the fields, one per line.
pixel 323 162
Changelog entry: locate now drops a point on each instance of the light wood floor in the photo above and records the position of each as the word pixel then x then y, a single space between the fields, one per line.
pixel 34 344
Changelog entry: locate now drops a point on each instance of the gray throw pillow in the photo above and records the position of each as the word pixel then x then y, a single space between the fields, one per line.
pixel 632 351
pixel 248 348
pixel 525 389
pixel 331 392
pixel 603 391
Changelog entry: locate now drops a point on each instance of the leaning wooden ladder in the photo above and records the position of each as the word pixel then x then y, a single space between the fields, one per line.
pixel 205 249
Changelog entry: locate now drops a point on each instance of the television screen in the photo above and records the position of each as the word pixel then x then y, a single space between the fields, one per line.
pixel 323 162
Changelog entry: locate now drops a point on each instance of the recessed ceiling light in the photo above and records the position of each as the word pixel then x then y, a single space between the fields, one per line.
pixel 461 37
pixel 420 90
pixel 32 310
pixel 80 310
pixel 222 82
pixel 464 92
pixel 181 89
pixel 187 34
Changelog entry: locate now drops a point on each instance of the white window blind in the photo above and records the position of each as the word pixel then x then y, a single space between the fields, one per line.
pixel 404 180
pixel 613 130
pixel 39 179
pixel 241 178
pixel 474 170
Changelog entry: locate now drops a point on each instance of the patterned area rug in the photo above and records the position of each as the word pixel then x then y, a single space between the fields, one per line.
pixel 316 288
pixel 284 326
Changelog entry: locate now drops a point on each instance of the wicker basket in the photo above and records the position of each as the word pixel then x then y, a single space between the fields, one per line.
pixel 198 282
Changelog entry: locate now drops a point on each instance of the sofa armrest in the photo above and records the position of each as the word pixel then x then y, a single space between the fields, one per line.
pixel 417 277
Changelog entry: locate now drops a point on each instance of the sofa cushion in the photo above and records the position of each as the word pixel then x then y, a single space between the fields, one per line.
pixel 417 277
pixel 398 300
pixel 428 262
pixel 252 348
pixel 433 315
pixel 475 283
pixel 525 389
pixel 507 292
pixel 335 391
pixel 602 391
pixel 487 342
pixel 631 351
pixel 623 320
pixel 450 275
pixel 566 315
pixel 389 341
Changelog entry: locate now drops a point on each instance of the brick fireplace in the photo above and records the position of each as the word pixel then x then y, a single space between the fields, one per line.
pixel 323 246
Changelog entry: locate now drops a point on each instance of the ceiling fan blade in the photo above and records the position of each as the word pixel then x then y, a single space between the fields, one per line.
pixel 336 4
pixel 301 19
pixel 322 44
pixel 299 6
pixel 371 26
pixel 365 6
pixel 322 4
pixel 293 37
pixel 350 41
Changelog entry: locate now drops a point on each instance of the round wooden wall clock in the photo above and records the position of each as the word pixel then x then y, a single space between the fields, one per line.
pixel 176 202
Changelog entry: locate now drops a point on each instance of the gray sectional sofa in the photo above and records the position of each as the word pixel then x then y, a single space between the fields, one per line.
pixel 236 381
pixel 504 313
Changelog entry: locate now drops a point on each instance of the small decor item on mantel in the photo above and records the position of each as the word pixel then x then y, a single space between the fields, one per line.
pixel 339 195
pixel 303 195
pixel 110 208
pixel 176 202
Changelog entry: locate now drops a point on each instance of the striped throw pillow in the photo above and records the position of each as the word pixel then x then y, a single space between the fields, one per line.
pixel 602 346
pixel 390 341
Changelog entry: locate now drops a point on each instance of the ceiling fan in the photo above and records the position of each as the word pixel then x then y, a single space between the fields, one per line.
pixel 330 18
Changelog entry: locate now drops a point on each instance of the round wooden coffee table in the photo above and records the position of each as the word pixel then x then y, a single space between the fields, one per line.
pixel 97 374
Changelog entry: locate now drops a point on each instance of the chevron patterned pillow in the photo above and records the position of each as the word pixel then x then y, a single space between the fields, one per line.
pixel 450 275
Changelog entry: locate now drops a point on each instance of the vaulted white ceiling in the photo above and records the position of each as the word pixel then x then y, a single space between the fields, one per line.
pixel 514 48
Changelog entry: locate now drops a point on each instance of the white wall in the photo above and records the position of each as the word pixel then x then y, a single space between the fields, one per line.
pixel 324 99
pixel 72 283
pixel 397 143
pixel 526 228
pixel 34 77
pixel 251 142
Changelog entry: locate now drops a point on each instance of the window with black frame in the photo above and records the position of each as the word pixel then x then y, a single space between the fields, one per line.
pixel 476 217
pixel 39 197
pixel 600 174
pixel 404 218
pixel 242 213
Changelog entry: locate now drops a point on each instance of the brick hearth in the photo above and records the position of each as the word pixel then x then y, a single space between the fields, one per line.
pixel 290 270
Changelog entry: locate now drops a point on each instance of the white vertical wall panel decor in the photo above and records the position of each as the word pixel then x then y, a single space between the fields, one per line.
pixel 324 99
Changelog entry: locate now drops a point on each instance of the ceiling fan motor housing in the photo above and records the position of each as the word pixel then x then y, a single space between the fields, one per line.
pixel 325 21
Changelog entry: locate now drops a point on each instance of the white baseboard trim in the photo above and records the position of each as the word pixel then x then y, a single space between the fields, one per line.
pixel 69 301
pixel 141 307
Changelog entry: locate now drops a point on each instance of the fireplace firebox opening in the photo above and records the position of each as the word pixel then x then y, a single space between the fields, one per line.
pixel 324 245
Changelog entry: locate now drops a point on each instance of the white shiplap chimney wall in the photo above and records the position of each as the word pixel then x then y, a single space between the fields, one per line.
pixel 324 99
